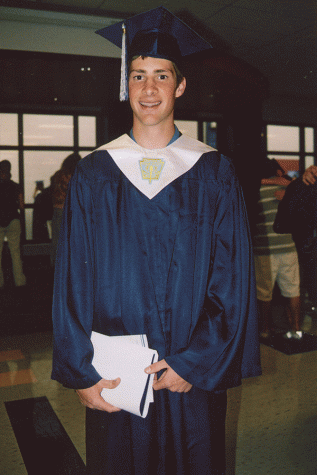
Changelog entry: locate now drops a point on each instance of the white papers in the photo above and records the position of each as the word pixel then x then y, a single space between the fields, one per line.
pixel 125 357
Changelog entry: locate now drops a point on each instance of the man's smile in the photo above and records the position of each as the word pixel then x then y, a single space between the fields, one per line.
pixel 150 104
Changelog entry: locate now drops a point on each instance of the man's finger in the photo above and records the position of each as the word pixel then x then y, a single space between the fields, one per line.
pixel 110 384
pixel 161 383
pixel 156 367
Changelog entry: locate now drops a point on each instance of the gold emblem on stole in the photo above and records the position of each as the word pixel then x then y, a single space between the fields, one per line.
pixel 151 168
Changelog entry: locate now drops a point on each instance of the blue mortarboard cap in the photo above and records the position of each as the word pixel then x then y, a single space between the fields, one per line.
pixel 156 33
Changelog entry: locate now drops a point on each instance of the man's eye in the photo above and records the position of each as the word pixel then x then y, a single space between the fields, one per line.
pixel 138 77
pixel 162 76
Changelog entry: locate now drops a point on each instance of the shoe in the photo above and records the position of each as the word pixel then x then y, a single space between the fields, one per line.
pixel 297 335
pixel 288 335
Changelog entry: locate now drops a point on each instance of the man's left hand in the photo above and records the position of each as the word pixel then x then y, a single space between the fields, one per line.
pixel 310 175
pixel 169 379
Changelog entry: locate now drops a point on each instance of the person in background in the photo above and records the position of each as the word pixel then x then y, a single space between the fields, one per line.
pixel 276 259
pixel 42 213
pixel 155 241
pixel 59 184
pixel 297 215
pixel 39 187
pixel 11 201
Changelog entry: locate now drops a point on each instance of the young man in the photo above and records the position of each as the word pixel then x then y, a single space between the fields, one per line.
pixel 155 241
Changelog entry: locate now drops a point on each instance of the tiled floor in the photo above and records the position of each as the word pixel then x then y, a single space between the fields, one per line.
pixel 271 423
pixel 36 366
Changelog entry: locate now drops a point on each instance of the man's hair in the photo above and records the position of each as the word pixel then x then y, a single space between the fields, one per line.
pixel 179 75
pixel 69 164
pixel 5 166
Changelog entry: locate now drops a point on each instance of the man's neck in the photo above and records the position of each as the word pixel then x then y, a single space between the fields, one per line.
pixel 153 137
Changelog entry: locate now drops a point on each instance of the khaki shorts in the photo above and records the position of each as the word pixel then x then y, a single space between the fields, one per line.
pixel 280 268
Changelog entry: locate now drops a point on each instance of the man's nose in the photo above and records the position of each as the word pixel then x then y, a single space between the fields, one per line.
pixel 150 86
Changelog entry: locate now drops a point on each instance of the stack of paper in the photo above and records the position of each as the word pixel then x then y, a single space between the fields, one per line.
pixel 125 357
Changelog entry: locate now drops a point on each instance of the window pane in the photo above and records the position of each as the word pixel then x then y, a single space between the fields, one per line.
pixel 309 160
pixel 281 138
pixel 28 213
pixel 309 140
pixel 210 134
pixel 87 131
pixel 188 127
pixel 40 166
pixel 13 157
pixel 9 129
pixel 57 130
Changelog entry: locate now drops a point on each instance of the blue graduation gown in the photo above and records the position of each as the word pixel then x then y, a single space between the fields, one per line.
pixel 178 268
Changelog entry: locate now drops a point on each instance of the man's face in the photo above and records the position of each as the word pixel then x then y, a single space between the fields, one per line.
pixel 4 176
pixel 153 90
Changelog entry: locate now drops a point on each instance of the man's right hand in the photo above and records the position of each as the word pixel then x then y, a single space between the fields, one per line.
pixel 91 397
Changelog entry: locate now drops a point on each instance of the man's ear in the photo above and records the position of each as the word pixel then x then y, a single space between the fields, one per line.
pixel 181 88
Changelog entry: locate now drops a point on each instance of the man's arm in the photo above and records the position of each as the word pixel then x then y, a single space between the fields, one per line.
pixel 223 345
pixel 73 302
pixel 20 201
pixel 310 175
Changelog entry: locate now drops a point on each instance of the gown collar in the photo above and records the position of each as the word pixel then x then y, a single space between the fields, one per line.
pixel 178 157
pixel 176 135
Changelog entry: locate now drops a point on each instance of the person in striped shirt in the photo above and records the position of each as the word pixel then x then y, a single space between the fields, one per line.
pixel 276 260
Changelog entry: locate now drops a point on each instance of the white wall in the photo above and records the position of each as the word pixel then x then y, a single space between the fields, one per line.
pixel 52 32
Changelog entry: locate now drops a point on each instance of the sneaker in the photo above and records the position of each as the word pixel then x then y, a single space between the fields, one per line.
pixel 298 335
pixel 288 335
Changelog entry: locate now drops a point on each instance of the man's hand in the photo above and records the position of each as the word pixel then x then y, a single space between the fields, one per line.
pixel 91 398
pixel 310 175
pixel 279 194
pixel 169 379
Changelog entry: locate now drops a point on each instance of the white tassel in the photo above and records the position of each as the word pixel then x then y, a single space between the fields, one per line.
pixel 124 73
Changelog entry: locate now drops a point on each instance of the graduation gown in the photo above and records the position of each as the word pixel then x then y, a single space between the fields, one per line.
pixel 176 266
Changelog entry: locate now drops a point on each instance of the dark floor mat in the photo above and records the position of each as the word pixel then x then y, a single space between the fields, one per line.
pixel 291 346
pixel 44 444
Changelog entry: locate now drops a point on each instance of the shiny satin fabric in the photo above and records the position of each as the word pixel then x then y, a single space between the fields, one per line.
pixel 183 434
pixel 177 267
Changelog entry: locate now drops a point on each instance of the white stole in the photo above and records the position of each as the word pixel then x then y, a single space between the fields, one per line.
pixel 178 157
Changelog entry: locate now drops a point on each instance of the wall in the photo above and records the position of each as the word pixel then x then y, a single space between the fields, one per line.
pixel 289 110
pixel 52 32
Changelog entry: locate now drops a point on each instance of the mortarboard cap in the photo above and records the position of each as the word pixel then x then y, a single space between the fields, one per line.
pixel 156 33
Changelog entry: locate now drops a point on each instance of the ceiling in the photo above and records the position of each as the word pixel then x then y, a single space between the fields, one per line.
pixel 277 37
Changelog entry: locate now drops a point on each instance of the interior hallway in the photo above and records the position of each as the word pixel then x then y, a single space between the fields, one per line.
pixel 271 423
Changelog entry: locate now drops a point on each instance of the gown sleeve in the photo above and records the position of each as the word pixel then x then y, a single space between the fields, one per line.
pixel 73 299
pixel 224 344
